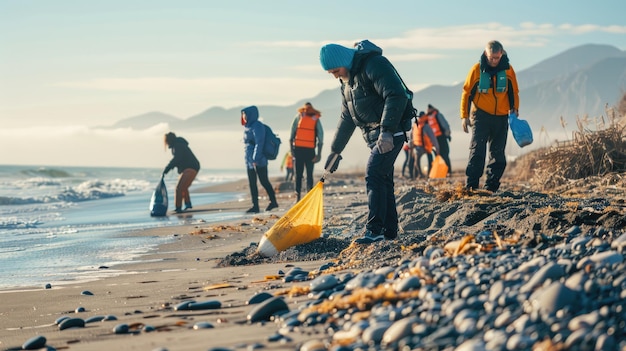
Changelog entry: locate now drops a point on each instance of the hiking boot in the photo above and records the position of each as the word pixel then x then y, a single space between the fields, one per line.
pixel 391 234
pixel 178 210
pixel 491 189
pixel 271 206
pixel 253 209
pixel 369 238
pixel 187 207
pixel 297 196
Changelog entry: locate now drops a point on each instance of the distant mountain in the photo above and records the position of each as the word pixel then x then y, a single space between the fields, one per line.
pixel 577 82
pixel 147 120
pixel 565 63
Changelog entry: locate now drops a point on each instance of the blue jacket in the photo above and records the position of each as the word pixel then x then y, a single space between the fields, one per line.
pixel 254 138
pixel 373 99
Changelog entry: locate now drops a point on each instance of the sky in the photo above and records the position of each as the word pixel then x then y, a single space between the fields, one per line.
pixel 68 66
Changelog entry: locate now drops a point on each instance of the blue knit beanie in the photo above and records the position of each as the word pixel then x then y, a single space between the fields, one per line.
pixel 334 56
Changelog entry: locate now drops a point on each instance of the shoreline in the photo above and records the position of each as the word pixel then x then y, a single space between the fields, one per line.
pixel 182 269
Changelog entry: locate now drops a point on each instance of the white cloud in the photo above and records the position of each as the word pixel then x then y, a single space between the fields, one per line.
pixel 526 34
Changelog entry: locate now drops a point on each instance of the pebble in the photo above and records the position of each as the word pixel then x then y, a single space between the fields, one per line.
pixel 203 325
pixel 259 297
pixel 266 309
pixel 35 343
pixel 572 293
pixel 72 323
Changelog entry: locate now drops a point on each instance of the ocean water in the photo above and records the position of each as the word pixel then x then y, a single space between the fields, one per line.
pixel 61 224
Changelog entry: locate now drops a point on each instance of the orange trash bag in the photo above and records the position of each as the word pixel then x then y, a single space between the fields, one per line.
pixel 439 168
pixel 300 225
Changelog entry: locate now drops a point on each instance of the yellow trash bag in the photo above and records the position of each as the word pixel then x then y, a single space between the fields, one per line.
pixel 300 225
pixel 439 168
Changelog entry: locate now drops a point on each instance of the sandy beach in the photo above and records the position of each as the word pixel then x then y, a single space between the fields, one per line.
pixel 217 262
pixel 145 293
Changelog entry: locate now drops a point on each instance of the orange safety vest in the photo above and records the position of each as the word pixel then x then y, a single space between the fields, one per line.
pixel 420 140
pixel 305 134
pixel 289 161
pixel 434 124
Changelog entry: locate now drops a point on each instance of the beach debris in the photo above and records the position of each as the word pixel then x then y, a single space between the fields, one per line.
pixel 217 286
pixel 72 323
pixel 266 309
pixel 35 343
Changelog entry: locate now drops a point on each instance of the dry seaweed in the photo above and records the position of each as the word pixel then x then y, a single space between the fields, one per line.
pixel 589 153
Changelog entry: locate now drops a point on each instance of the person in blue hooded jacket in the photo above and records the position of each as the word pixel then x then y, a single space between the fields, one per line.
pixel 374 98
pixel 256 162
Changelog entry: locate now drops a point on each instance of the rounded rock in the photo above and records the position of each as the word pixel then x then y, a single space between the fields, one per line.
pixel 34 343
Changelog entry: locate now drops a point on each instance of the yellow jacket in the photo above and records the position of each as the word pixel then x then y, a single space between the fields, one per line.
pixel 491 101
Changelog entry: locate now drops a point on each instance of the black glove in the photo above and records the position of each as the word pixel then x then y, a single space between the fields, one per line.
pixel 332 167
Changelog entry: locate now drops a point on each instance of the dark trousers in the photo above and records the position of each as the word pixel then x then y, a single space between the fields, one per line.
pixel 444 151
pixel 418 162
pixel 381 200
pixel 405 164
pixel 410 163
pixel 261 172
pixel 487 130
pixel 304 159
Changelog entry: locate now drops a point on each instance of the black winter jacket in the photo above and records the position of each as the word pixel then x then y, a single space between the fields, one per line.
pixel 183 157
pixel 373 99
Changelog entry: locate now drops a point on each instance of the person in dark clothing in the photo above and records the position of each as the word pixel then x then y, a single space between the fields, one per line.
pixel 441 128
pixel 187 165
pixel 256 162
pixel 307 136
pixel 374 99
pixel 491 87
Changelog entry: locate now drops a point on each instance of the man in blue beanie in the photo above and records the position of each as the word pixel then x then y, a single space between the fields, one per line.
pixel 374 98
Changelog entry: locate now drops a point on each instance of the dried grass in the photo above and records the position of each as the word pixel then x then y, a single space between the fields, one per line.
pixel 598 152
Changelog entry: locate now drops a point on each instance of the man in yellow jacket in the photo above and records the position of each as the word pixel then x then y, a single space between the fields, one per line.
pixel 491 86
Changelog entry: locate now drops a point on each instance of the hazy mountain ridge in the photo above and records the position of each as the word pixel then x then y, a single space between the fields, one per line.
pixel 579 81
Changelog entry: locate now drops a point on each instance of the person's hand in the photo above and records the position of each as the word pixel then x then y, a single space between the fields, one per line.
pixel 466 124
pixel 317 158
pixel 332 162
pixel 385 142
